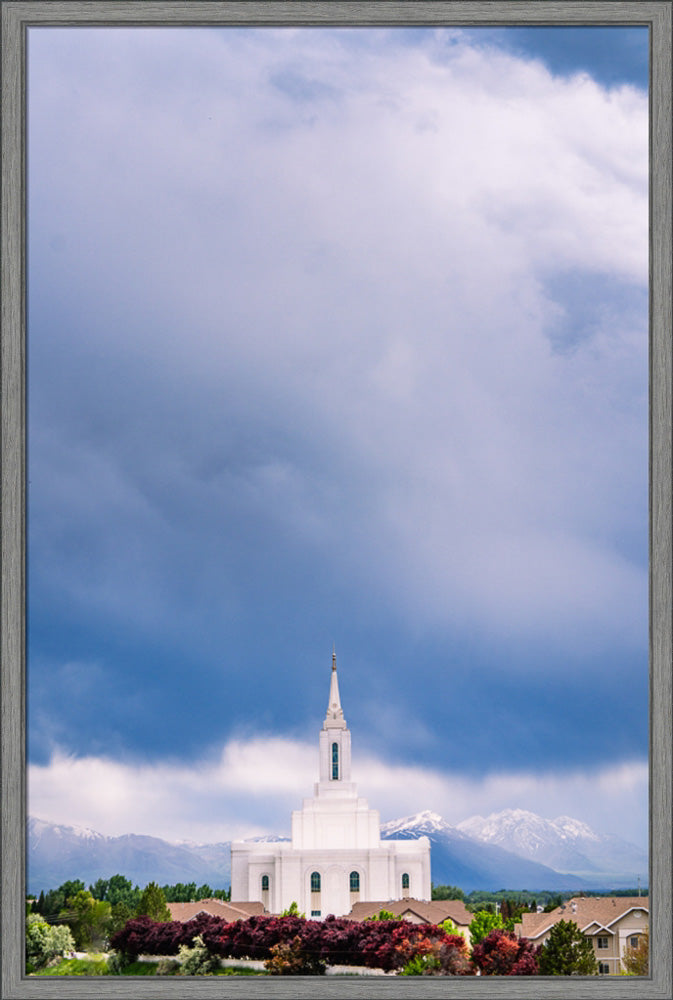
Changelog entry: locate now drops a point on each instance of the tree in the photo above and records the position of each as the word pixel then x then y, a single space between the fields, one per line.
pixel 482 924
pixel 121 913
pixel 567 952
pixel 501 953
pixel 383 915
pixel 636 961
pixel 153 904
pixel 180 892
pixel 88 919
pixel 447 892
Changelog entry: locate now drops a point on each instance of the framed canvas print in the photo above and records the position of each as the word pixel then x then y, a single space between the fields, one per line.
pixel 336 499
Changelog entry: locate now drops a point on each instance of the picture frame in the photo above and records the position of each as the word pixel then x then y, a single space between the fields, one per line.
pixel 17 17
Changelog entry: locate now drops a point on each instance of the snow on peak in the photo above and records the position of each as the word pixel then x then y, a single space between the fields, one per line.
pixel 37 827
pixel 424 821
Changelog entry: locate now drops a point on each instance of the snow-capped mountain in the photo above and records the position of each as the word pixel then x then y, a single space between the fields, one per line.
pixel 458 859
pixel 513 849
pixel 564 843
pixel 57 853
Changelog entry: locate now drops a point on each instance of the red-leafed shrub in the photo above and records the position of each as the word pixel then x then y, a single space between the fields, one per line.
pixel 384 944
pixel 501 953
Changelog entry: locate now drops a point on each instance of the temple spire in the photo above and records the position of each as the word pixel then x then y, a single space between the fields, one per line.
pixel 334 717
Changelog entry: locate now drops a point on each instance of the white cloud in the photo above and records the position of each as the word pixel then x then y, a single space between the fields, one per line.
pixel 255 783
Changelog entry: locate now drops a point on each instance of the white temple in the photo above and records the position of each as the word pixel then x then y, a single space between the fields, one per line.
pixel 336 856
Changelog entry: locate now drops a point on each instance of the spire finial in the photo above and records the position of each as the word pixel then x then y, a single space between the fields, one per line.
pixel 333 656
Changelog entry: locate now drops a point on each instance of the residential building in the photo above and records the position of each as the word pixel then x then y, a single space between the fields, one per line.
pixel 419 911
pixel 216 907
pixel 612 923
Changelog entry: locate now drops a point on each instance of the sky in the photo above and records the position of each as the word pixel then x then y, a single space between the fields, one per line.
pixel 337 336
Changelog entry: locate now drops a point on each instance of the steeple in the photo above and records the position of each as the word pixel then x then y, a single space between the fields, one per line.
pixel 334 717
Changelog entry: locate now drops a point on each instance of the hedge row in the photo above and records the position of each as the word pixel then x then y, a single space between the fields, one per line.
pixel 381 944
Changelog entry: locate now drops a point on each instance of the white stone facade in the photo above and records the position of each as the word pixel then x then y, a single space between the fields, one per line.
pixel 336 856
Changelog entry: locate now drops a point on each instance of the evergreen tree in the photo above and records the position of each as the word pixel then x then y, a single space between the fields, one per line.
pixel 153 903
pixel 567 952
pixel 121 913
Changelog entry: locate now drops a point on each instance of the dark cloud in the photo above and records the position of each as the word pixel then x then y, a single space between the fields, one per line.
pixel 356 382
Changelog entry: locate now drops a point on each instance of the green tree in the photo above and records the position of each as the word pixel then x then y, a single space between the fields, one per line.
pixel 204 892
pixel 121 890
pixel 636 961
pixel 180 892
pixel 383 915
pixel 99 889
pixel 120 914
pixel 567 952
pixel 447 892
pixel 88 918
pixel 153 903
pixel 482 924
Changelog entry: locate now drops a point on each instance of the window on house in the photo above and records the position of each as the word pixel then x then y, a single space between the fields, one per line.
pixel 355 881
pixel 265 883
pixel 405 881
pixel 633 941
pixel 315 881
pixel 602 942
pixel 335 762
pixel 603 969
pixel 315 913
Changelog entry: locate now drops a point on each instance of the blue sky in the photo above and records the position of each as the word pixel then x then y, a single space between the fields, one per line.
pixel 337 336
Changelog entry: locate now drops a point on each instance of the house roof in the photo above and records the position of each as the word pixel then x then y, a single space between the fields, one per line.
pixel 592 914
pixel 216 907
pixel 431 912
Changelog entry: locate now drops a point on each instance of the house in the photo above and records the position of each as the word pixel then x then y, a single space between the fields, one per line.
pixel 336 857
pixel 216 907
pixel 419 911
pixel 612 923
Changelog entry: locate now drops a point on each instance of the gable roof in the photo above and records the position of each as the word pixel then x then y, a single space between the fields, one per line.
pixel 430 912
pixel 592 914
pixel 216 907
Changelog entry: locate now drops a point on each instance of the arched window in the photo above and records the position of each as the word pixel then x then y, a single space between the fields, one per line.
pixel 355 881
pixel 335 762
pixel 405 880
pixel 265 883
pixel 315 881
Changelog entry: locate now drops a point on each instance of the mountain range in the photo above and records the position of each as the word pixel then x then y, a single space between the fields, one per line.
pixel 513 849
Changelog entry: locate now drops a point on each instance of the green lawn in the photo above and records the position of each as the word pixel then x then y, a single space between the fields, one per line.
pixel 98 967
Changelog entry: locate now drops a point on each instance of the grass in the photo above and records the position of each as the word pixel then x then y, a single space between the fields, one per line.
pixel 98 967
pixel 75 967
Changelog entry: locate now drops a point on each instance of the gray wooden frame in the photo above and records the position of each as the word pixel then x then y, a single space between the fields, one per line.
pixel 17 16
